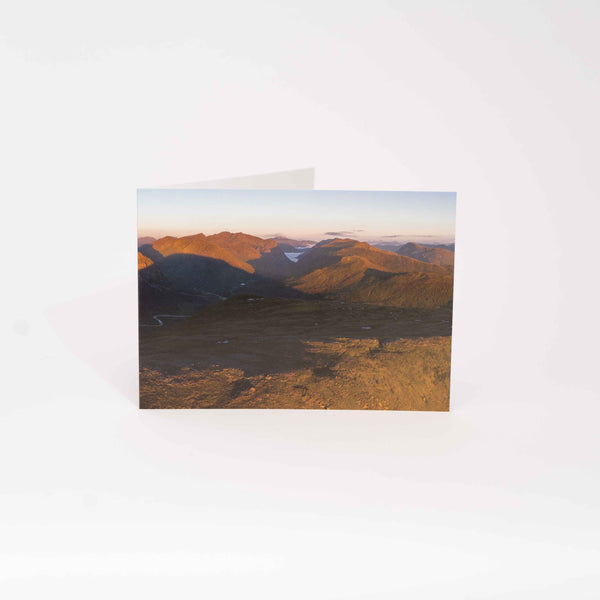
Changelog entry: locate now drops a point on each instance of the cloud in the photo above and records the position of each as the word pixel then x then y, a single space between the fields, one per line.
pixel 338 233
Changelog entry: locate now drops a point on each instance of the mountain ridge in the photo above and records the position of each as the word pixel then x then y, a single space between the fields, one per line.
pixel 436 255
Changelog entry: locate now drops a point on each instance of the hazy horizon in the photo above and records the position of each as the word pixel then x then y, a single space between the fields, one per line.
pixel 380 217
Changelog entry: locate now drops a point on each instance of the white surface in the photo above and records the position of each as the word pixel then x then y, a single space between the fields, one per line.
pixel 498 499
pixel 297 179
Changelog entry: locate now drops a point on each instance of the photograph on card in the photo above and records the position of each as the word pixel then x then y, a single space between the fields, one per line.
pixel 295 299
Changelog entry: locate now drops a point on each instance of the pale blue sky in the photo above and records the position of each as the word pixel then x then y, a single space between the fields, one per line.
pixel 428 217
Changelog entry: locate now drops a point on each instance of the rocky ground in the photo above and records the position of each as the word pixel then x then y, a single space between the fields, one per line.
pixel 252 352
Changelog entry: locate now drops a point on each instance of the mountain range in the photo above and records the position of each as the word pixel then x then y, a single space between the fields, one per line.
pixel 188 273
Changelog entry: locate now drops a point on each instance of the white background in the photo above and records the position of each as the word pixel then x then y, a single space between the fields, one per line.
pixel 495 100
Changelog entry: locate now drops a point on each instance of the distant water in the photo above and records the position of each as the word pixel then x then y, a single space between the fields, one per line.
pixel 294 256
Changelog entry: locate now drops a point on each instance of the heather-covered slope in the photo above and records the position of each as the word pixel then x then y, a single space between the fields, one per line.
pixel 419 290
pixel 198 245
pixel 245 252
pixel 264 257
pixel 143 261
pixel 435 255
pixel 330 252
pixel 360 272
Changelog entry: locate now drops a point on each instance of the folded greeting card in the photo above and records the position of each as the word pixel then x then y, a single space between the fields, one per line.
pixel 266 298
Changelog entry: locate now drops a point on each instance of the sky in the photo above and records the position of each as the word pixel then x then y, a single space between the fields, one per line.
pixel 426 217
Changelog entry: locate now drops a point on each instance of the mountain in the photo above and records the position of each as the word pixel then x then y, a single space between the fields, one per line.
pixel 445 246
pixel 343 252
pixel 239 250
pixel 407 290
pixel 291 245
pixel 245 247
pixel 359 272
pixel 143 261
pixel 264 257
pixel 162 290
pixel 181 274
pixel 145 240
pixel 198 245
pixel 436 255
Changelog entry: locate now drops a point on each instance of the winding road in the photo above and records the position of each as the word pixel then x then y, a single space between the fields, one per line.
pixel 157 318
